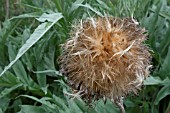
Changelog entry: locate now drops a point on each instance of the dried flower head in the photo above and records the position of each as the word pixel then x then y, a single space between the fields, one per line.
pixel 105 57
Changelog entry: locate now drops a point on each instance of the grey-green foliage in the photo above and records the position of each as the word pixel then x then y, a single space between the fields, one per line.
pixel 30 81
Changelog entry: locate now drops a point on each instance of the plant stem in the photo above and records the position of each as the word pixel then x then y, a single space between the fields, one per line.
pixel 119 103
pixel 7 9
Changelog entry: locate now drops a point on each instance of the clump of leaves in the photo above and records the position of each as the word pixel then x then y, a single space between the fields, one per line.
pixel 29 43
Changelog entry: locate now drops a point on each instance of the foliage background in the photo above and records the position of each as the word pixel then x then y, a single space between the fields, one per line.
pixel 30 34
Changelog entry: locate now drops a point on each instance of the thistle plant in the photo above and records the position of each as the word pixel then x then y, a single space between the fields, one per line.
pixel 105 58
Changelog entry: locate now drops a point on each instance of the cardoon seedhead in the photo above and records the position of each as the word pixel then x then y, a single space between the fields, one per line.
pixel 105 57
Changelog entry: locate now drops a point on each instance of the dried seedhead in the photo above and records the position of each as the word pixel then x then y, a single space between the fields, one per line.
pixel 105 57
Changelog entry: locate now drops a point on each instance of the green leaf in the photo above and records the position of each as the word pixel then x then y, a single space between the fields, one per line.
pixel 168 108
pixel 37 35
pixel 151 24
pixel 32 109
pixel 73 107
pixel 102 4
pixel 129 103
pixel 165 69
pixel 41 78
pixel 156 81
pixel 165 44
pixel 1 111
pixel 54 17
pixel 75 5
pixel 49 71
pixel 58 5
pixel 45 89
pixel 152 80
pixel 82 105
pixel 109 107
pixel 27 15
pixel 162 94
pixel 18 67
pixel 91 8
pixel 4 102
pixel 16 104
pixel 8 80
pixel 59 102
pixel 43 101
pixel 6 91
pixel 7 30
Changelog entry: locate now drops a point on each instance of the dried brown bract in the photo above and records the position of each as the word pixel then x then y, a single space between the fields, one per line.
pixel 105 57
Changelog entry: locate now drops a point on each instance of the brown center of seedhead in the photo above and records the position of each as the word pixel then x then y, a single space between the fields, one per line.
pixel 105 57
